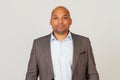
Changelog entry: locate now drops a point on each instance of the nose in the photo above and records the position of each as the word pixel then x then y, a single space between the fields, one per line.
pixel 60 21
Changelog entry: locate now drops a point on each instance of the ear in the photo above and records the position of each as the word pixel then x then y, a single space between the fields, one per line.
pixel 70 21
pixel 50 22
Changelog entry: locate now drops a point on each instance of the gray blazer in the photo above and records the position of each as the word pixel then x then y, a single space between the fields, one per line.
pixel 40 63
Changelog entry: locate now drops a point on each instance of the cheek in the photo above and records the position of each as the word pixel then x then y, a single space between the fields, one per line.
pixel 54 22
pixel 67 22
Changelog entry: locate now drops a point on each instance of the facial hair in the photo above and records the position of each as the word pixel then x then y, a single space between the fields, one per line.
pixel 58 31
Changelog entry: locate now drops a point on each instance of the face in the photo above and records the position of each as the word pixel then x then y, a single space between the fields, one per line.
pixel 60 21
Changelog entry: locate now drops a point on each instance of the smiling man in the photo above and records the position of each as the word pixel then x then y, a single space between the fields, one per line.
pixel 60 21
pixel 61 55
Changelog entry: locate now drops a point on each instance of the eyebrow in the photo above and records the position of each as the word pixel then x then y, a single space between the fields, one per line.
pixel 63 15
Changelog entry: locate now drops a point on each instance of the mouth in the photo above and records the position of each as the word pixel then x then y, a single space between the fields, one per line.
pixel 60 25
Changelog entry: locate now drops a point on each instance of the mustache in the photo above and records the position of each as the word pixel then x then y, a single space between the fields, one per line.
pixel 60 25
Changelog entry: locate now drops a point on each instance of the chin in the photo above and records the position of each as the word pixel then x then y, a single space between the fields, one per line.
pixel 61 32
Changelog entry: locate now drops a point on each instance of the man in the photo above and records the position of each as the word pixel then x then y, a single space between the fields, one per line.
pixel 61 55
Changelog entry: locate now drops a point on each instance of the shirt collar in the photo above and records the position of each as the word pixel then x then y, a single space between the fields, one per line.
pixel 69 37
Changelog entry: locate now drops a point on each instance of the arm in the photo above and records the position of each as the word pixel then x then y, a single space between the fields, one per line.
pixel 92 73
pixel 32 72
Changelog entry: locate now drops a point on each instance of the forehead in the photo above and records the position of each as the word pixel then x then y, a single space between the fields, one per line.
pixel 60 11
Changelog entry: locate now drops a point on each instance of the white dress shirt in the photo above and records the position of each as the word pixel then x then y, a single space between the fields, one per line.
pixel 62 57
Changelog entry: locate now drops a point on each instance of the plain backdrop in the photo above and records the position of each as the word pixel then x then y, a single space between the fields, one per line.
pixel 22 21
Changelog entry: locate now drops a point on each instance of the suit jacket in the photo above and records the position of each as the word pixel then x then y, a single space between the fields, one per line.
pixel 40 62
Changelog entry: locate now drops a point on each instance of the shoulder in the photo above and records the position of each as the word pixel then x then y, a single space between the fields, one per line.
pixel 42 38
pixel 81 37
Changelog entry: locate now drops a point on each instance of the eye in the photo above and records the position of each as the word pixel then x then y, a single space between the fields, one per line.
pixel 65 17
pixel 55 18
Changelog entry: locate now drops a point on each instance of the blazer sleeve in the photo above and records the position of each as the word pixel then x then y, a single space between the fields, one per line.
pixel 92 73
pixel 32 71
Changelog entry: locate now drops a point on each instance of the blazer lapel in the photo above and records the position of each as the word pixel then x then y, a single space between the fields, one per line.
pixel 77 44
pixel 47 53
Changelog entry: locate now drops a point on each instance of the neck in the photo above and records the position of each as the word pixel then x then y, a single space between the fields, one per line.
pixel 60 37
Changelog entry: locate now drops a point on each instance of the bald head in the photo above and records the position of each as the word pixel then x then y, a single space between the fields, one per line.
pixel 60 8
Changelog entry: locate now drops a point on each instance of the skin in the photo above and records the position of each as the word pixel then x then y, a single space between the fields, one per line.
pixel 60 22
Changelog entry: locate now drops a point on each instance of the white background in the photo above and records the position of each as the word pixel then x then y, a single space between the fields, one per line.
pixel 22 21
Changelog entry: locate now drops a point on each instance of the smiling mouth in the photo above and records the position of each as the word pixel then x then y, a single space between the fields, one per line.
pixel 60 25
